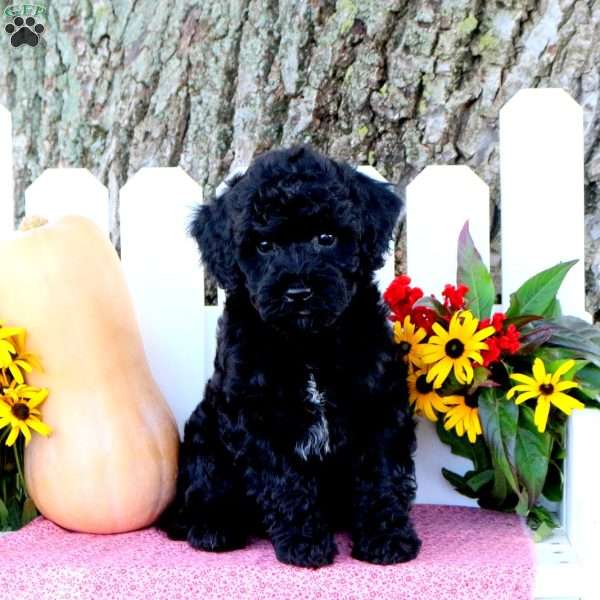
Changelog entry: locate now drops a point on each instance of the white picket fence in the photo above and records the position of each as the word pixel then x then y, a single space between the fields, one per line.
pixel 541 160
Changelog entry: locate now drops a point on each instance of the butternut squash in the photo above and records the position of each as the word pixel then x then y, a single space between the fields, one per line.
pixel 110 464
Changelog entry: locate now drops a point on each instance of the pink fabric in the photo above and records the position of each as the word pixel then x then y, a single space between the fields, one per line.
pixel 467 553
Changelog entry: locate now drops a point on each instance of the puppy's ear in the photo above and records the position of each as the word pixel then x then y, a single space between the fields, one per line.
pixel 380 208
pixel 212 229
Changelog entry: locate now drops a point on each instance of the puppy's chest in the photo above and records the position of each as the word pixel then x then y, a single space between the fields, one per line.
pixel 315 438
pixel 324 428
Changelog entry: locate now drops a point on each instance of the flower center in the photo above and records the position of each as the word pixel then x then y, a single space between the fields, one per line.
pixel 20 411
pixel 405 348
pixel 471 401
pixel 546 388
pixel 455 348
pixel 422 385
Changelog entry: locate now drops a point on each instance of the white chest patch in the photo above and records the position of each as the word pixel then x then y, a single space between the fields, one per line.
pixel 316 441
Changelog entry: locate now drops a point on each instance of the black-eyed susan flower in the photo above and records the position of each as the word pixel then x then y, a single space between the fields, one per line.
pixel 547 388
pixel 455 348
pixel 23 361
pixel 19 411
pixel 409 337
pixel 463 415
pixel 5 378
pixel 423 397
pixel 7 347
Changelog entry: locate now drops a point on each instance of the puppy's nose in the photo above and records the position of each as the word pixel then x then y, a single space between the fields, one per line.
pixel 297 294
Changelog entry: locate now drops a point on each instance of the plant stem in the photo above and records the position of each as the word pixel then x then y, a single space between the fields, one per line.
pixel 3 448
pixel 20 470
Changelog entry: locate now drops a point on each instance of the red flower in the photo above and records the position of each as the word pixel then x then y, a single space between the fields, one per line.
pixel 400 297
pixel 454 297
pixel 497 322
pixel 509 342
pixel 492 354
pixel 423 317
pixel 506 341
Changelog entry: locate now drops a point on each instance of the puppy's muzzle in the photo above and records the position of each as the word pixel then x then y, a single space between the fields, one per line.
pixel 297 295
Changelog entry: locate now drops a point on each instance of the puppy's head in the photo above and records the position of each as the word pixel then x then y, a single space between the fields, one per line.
pixel 300 232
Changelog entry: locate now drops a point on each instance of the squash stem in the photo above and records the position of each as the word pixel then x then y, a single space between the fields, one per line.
pixel 31 222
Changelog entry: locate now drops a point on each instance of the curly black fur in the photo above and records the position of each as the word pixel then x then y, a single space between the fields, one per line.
pixel 304 428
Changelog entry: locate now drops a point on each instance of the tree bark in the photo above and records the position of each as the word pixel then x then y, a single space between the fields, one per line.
pixel 115 86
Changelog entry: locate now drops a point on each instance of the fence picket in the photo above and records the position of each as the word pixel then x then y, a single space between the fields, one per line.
pixel 166 281
pixel 7 204
pixel 59 192
pixel 541 168
pixel 438 202
pixel 541 144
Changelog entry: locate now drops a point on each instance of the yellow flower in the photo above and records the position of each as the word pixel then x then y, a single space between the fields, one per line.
pixel 19 410
pixel 463 417
pixel 454 349
pixel 7 348
pixel 423 397
pixel 23 362
pixel 4 378
pixel 409 338
pixel 547 388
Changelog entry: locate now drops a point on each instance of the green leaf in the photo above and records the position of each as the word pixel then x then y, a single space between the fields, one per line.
pixel 458 483
pixel 543 532
pixel 3 516
pixel 480 378
pixel 500 488
pixel 474 274
pixel 576 334
pixel 14 513
pixel 553 309
pixel 477 481
pixel 522 320
pixel 537 295
pixel 499 423
pixel 477 453
pixel 532 455
pixel 553 486
pixel 458 445
pixel 434 304
pixel 551 354
pixel 589 380
pixel 29 512
pixel 552 366
pixel 451 386
pixel 542 522
pixel 535 334
pixel 590 375
pixel 522 507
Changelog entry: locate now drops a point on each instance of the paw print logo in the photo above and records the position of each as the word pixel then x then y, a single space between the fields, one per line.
pixel 24 31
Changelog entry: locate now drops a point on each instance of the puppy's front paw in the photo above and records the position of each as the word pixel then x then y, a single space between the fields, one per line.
pixel 388 548
pixel 304 551
pixel 215 539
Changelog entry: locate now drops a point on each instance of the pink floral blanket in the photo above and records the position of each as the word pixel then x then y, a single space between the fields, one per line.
pixel 467 553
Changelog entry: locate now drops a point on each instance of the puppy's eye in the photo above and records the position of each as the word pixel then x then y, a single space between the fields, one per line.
pixel 326 239
pixel 264 246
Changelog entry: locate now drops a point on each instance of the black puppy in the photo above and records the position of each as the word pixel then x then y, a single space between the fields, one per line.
pixel 305 427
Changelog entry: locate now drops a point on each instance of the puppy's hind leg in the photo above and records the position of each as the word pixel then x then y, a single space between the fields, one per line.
pixel 209 509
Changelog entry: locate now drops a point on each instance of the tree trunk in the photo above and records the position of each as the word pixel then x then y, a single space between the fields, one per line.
pixel 206 85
